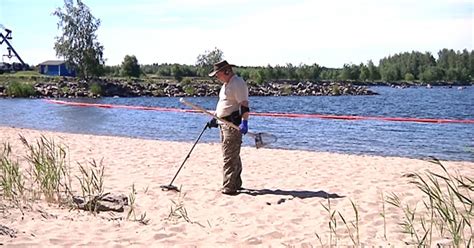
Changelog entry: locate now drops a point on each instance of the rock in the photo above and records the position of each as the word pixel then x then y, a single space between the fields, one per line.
pixel 107 202
pixel 131 88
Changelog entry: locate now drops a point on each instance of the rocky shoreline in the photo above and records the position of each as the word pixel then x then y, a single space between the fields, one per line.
pixel 130 88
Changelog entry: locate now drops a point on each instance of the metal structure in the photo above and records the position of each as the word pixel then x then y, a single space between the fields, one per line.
pixel 4 38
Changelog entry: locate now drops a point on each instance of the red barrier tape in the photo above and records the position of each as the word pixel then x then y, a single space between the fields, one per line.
pixel 282 115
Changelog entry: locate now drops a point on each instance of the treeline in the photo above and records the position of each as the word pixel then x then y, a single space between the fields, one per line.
pixel 450 66
pixel 82 51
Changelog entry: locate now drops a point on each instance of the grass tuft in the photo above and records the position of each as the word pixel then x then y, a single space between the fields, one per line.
pixel 178 211
pixel 12 182
pixel 92 184
pixel 132 211
pixel 49 168
pixel 449 208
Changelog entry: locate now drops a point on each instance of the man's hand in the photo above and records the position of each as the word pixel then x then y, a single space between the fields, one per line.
pixel 212 123
pixel 244 128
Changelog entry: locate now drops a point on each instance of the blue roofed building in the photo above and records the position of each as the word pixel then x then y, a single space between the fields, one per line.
pixel 56 68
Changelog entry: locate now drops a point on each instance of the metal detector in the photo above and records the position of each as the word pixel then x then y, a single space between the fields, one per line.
pixel 261 139
pixel 171 186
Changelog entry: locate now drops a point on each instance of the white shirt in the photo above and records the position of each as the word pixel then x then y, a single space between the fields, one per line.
pixel 231 95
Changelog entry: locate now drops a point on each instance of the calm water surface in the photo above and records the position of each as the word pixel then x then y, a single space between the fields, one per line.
pixel 407 139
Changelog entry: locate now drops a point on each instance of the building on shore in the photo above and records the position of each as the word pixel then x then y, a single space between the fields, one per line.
pixel 56 68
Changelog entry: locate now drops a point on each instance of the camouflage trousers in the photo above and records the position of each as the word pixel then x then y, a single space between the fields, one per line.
pixel 231 140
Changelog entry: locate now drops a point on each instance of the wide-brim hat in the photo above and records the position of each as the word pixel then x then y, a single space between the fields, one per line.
pixel 219 67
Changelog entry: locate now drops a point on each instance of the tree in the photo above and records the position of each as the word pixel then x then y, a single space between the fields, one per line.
pixel 177 72
pixel 373 71
pixel 130 67
pixel 431 74
pixel 364 72
pixel 207 60
pixel 257 75
pixel 409 77
pixel 350 71
pixel 78 43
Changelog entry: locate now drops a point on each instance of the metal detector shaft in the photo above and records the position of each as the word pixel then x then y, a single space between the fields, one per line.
pixel 187 156
pixel 196 107
pixel 256 136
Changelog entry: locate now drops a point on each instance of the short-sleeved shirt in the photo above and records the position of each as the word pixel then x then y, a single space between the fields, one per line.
pixel 231 95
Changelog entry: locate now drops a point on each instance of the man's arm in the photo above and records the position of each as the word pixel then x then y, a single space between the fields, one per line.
pixel 245 104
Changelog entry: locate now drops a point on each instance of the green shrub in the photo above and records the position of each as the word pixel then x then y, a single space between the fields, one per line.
pixel 190 90
pixel 95 89
pixel 409 77
pixel 287 90
pixel 335 90
pixel 17 89
pixel 186 81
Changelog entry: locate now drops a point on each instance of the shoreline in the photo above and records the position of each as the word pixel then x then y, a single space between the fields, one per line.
pixel 425 158
pixel 283 204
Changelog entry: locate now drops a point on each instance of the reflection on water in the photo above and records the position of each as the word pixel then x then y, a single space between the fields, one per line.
pixel 445 141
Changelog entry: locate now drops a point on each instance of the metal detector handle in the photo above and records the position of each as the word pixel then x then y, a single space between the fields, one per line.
pixel 209 113
pixel 256 136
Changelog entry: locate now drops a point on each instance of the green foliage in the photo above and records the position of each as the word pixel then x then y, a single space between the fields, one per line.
pixel 186 81
pixel 364 73
pixel 451 66
pixel 409 77
pixel 26 74
pixel 374 73
pixel 206 61
pixel 189 89
pixel 287 90
pixel 431 74
pixel 78 43
pixel 95 89
pixel 130 67
pixel 17 89
pixel 350 72
pixel 12 183
pixel 257 76
pixel 390 73
pixel 177 73
pixel 335 90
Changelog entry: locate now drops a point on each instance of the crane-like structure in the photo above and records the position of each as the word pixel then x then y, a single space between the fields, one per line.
pixel 11 51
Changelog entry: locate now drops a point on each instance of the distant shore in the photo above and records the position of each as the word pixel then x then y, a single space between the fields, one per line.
pixel 64 87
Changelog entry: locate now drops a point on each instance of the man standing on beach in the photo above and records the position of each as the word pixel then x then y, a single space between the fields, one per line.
pixel 233 106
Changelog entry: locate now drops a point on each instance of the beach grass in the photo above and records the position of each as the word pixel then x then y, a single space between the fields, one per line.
pixel 49 168
pixel 132 210
pixel 448 208
pixel 91 181
pixel 11 179
pixel 447 212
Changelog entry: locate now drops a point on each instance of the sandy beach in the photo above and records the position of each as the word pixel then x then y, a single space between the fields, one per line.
pixel 282 203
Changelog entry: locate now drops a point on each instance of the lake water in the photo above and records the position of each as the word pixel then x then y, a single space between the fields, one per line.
pixel 453 141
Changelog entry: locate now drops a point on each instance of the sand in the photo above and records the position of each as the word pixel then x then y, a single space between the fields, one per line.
pixel 283 204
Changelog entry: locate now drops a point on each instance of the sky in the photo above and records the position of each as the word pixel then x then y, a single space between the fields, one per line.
pixel 330 33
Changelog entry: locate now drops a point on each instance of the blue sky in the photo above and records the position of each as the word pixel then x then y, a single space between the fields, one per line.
pixel 250 32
